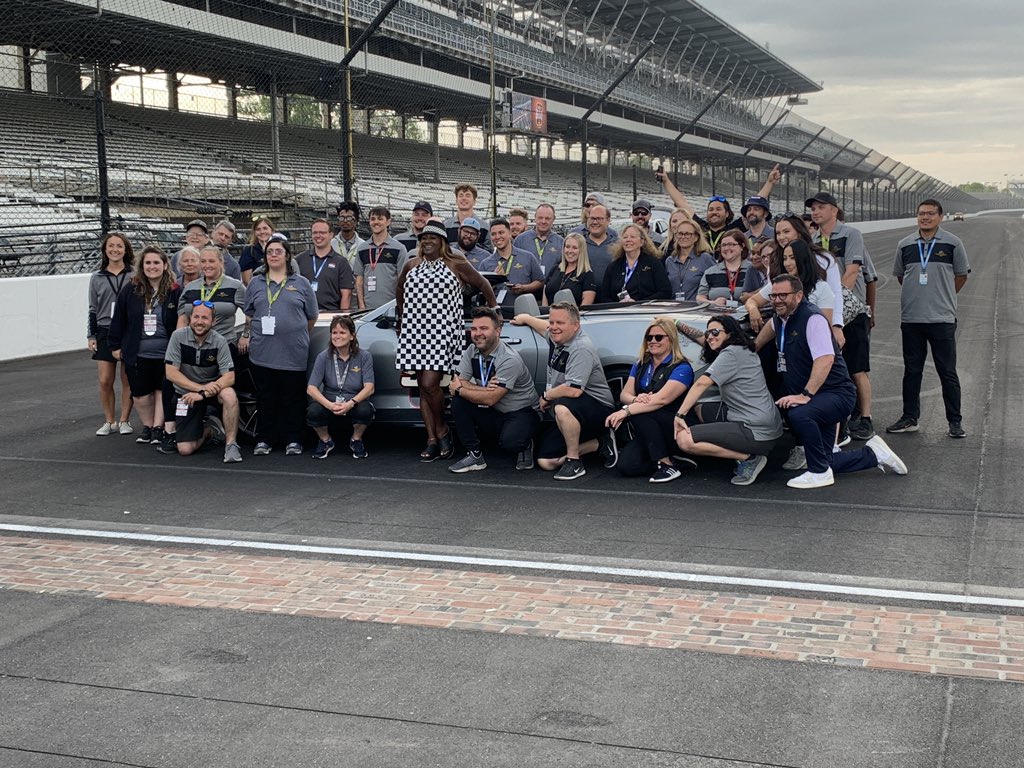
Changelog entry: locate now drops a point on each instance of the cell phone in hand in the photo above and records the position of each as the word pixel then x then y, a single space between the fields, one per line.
pixel 659 173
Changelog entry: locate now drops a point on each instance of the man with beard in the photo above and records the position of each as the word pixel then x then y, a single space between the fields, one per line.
pixel 757 213
pixel 470 232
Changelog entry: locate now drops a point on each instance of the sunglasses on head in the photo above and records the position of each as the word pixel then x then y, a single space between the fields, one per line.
pixel 656 337
pixel 201 303
pixel 718 199
pixel 716 332
pixel 277 237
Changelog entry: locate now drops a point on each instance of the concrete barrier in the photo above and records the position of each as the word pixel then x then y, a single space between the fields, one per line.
pixel 43 315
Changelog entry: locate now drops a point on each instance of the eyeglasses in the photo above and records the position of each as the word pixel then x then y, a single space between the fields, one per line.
pixel 716 332
pixel 641 212
pixel 597 218
pixel 656 337
pixel 718 199
pixel 730 244
pixel 201 303
pixel 779 296
pixel 686 234
pixel 347 218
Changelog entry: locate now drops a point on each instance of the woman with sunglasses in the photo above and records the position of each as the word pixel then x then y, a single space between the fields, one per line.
pixel 746 425
pixel 254 254
pixel 145 318
pixel 723 282
pixel 572 273
pixel 636 272
pixel 340 388
pixel 280 309
pixel 656 385
pixel 688 260
pixel 104 287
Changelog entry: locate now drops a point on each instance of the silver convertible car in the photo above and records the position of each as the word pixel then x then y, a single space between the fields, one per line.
pixel 616 329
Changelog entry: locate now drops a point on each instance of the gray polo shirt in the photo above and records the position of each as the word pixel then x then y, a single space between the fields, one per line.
pixel 507 369
pixel 227 299
pixel 685 276
pixel 327 276
pixel 379 267
pixel 334 376
pixel 847 245
pixel 549 251
pixel 934 302
pixel 740 379
pixel 521 267
pixel 294 306
pixel 578 364
pixel 600 257
pixel 200 363
pixel 477 256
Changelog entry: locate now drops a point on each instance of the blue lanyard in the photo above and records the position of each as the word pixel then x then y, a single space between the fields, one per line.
pixel 485 373
pixel 925 256
pixel 317 271
pixel 780 338
pixel 629 272
pixel 648 374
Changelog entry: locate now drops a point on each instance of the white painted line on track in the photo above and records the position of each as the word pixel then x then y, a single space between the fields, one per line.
pixel 575 569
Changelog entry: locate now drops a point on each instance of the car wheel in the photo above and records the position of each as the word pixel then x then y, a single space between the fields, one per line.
pixel 617 376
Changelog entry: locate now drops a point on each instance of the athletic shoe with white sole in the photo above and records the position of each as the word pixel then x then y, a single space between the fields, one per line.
pixel 232 453
pixel 471 462
pixel 812 479
pixel 797 459
pixel 571 470
pixel 107 428
pixel 125 428
pixel 748 470
pixel 886 458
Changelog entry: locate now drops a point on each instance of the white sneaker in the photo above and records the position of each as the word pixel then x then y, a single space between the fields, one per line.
pixel 125 428
pixel 107 428
pixel 797 459
pixel 886 458
pixel 812 479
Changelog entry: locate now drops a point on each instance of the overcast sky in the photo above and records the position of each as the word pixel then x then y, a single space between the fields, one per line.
pixel 938 85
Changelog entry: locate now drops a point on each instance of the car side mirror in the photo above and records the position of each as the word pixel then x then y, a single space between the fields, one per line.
pixel 384 322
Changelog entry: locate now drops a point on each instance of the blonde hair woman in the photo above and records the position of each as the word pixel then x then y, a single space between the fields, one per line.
pixel 572 273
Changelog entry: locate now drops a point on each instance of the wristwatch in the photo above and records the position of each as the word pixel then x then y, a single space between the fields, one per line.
pixel 805 393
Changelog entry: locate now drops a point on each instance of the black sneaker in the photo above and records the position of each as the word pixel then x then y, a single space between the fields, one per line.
pixel 904 424
pixel 608 449
pixel 145 436
pixel 471 462
pixel 169 444
pixel 157 436
pixel 665 473
pixel 863 429
pixel 571 470
pixel 525 458
pixel 956 429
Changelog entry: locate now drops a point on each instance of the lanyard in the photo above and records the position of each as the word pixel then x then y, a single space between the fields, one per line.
pixel 153 301
pixel 539 246
pixel 342 378
pixel 629 272
pixel 272 298
pixel 379 250
pixel 318 270
pixel 485 373
pixel 780 338
pixel 715 240
pixel 116 287
pixel 216 287
pixel 503 268
pixel 647 375
pixel 824 242
pixel 733 278
pixel 925 256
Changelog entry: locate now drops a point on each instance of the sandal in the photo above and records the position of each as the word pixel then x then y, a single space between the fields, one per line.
pixel 431 453
pixel 446 445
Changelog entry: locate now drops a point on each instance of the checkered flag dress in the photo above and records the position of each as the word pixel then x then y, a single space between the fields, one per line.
pixel 432 334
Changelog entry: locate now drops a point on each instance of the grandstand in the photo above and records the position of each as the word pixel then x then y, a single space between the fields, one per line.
pixel 429 64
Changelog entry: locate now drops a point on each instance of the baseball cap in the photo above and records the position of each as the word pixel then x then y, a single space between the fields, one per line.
pixel 821 197
pixel 597 197
pixel 642 204
pixel 423 205
pixel 473 223
pixel 197 223
pixel 760 202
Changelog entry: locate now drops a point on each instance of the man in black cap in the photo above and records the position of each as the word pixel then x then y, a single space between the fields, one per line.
pixel 421 213
pixel 757 213
pixel 641 214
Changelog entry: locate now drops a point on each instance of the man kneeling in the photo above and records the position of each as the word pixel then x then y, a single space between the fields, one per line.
pixel 493 391
pixel 198 364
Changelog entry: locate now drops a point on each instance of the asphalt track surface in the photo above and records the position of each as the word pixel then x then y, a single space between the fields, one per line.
pixel 87 682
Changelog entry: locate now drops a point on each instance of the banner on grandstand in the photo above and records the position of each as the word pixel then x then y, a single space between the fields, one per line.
pixel 526 113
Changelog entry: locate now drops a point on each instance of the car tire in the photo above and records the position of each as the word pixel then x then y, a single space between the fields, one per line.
pixel 617 376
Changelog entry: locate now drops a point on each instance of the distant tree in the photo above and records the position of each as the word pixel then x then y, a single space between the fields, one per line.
pixel 977 186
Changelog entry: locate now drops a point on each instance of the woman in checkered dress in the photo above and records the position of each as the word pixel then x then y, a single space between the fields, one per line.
pixel 430 328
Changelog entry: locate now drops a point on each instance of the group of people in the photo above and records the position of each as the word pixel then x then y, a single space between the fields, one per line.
pixel 807 287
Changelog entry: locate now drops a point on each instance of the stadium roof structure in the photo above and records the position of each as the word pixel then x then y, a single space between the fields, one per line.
pixel 717 52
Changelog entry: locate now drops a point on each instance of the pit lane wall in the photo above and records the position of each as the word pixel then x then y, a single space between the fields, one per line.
pixel 44 315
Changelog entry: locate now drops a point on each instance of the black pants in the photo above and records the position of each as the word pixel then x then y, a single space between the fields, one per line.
pixel 281 399
pixel 916 339
pixel 654 432
pixel 514 429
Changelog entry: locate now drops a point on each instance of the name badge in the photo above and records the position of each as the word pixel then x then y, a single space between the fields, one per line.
pixel 149 324
pixel 268 324
pixel 371 283
pixel 922 278
pixel 340 399
pixel 314 284
pixel 780 365
pixel 181 409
